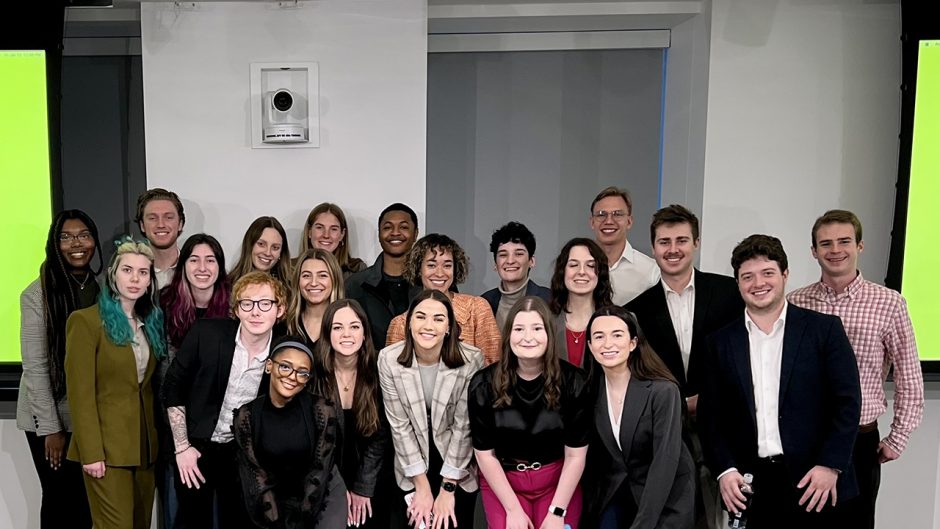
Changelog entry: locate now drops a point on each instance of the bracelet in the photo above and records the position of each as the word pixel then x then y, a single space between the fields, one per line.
pixel 178 452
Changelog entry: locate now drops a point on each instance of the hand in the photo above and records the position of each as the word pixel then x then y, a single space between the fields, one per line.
pixel 444 511
pixel 552 522
pixel 420 508
pixel 55 449
pixel 360 509
pixel 886 453
pixel 516 519
pixel 692 404
pixel 95 470
pixel 189 470
pixel 730 487
pixel 822 485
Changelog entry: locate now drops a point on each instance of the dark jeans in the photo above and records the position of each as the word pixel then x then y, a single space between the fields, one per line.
pixel 220 468
pixel 64 502
pixel 860 511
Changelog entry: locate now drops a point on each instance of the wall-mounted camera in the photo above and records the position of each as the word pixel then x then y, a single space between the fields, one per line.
pixel 284 117
pixel 284 105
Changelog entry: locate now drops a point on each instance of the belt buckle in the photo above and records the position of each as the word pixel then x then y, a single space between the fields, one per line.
pixel 522 467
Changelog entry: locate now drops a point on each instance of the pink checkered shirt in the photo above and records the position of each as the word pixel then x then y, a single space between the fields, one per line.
pixel 880 331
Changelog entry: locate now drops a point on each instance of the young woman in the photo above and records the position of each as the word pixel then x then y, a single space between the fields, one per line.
pixel 326 229
pixel 265 249
pixel 640 474
pixel 424 381
pixel 316 282
pixel 66 283
pixel 437 262
pixel 530 420
pixel 580 284
pixel 110 359
pixel 286 441
pixel 348 375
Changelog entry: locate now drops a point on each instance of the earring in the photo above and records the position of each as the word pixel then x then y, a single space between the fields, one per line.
pixel 267 371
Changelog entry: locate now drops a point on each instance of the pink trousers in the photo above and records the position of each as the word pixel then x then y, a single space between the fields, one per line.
pixel 535 489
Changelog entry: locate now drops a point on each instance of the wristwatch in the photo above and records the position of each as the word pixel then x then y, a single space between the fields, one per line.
pixel 448 486
pixel 557 511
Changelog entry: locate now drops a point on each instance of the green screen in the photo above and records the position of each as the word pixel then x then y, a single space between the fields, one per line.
pixel 921 249
pixel 24 183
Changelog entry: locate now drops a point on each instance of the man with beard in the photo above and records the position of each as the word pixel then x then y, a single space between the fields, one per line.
pixel 382 289
pixel 161 218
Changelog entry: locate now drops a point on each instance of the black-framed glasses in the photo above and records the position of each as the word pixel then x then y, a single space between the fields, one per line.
pixel 286 370
pixel 264 305
pixel 84 236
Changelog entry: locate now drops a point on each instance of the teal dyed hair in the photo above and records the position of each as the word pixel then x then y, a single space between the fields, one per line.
pixel 147 307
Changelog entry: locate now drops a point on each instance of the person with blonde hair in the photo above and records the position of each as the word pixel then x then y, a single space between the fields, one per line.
pixel 326 228
pixel 316 282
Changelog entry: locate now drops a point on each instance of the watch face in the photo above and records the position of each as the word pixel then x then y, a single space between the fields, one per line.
pixel 448 486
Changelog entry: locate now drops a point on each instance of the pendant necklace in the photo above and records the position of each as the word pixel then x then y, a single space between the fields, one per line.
pixel 345 382
pixel 81 285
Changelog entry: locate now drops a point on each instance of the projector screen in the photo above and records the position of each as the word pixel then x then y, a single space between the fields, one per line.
pixel 921 249
pixel 25 185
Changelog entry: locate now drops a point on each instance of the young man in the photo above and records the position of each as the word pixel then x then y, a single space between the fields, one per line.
pixel 161 218
pixel 513 248
pixel 881 334
pixel 676 314
pixel 780 400
pixel 631 272
pixel 218 368
pixel 382 289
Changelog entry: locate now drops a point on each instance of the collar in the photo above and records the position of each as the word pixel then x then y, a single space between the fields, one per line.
pixel 691 284
pixel 172 266
pixel 627 255
pixel 781 320
pixel 824 291
pixel 516 291
pixel 239 343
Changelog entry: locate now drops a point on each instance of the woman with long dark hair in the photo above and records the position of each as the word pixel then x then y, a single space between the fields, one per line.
pixel 345 362
pixel 112 351
pixel 640 474
pixel 66 283
pixel 326 228
pixel 316 282
pixel 424 382
pixel 530 419
pixel 580 285
pixel 264 249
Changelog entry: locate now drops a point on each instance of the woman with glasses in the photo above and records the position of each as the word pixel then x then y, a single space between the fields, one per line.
pixel 316 282
pixel 530 419
pixel 326 229
pixel 66 283
pixel 580 284
pixel 286 441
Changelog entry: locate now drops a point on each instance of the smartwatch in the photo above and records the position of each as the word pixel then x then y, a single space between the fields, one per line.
pixel 557 511
pixel 449 486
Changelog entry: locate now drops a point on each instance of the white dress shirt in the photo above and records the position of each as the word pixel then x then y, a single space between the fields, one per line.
pixel 242 388
pixel 682 312
pixel 766 353
pixel 632 274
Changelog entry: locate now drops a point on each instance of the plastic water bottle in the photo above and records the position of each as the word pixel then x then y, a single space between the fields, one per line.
pixel 739 521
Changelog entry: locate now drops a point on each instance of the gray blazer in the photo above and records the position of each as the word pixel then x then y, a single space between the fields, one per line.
pixel 36 410
pixel 408 417
pixel 653 461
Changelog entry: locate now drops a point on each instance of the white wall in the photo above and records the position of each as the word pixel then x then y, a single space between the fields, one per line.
pixel 372 57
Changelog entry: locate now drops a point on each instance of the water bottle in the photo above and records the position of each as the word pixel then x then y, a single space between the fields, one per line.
pixel 739 521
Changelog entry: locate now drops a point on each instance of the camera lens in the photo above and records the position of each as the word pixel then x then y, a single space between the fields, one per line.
pixel 283 100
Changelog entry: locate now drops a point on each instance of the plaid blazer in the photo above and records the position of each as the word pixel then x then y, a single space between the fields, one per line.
pixel 408 417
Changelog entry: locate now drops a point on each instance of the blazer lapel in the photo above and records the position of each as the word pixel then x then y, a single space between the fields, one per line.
pixel 741 358
pixel 702 297
pixel 561 341
pixel 792 336
pixel 638 393
pixel 668 331
pixel 602 420
pixel 411 382
pixel 443 387
pixel 225 356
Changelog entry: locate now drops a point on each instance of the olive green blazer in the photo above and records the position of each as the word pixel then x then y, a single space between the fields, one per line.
pixel 108 405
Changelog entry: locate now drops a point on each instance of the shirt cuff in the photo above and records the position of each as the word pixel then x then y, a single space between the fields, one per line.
pixel 454 473
pixel 732 469
pixel 896 440
pixel 414 469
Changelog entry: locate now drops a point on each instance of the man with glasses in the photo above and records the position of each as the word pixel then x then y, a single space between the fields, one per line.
pixel 631 272
pixel 218 368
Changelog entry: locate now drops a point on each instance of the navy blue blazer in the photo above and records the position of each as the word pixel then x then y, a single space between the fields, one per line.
pixel 819 399
pixel 493 295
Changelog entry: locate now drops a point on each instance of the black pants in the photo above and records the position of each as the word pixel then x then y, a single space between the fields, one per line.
pixel 64 502
pixel 860 511
pixel 220 468
pixel 775 503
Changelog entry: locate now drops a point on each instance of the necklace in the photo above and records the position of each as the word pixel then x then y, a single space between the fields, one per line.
pixel 345 383
pixel 577 335
pixel 81 285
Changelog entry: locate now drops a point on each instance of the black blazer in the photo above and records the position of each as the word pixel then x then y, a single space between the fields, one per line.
pixel 717 303
pixel 819 399
pixel 364 287
pixel 493 295
pixel 198 376
pixel 654 462
pixel 374 452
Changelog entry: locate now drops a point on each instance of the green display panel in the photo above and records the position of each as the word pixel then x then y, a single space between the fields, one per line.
pixel 24 185
pixel 921 248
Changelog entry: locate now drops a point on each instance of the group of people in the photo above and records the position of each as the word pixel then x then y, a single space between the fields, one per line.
pixel 322 392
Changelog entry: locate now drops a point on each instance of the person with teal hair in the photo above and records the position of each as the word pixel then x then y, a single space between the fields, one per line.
pixel 112 350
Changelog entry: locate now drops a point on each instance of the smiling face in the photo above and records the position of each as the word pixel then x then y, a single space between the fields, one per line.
pixel 161 224
pixel 528 338
pixel 202 268
pixel 346 332
pixel 513 263
pixel 429 324
pixel 674 249
pixel 132 276
pixel 611 342
pixel 287 369
pixel 837 251
pixel 326 232
pixel 762 285
pixel 611 220
pixel 316 283
pixel 76 243
pixel 256 321
pixel 437 270
pixel 266 250
pixel 580 271
pixel 397 234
